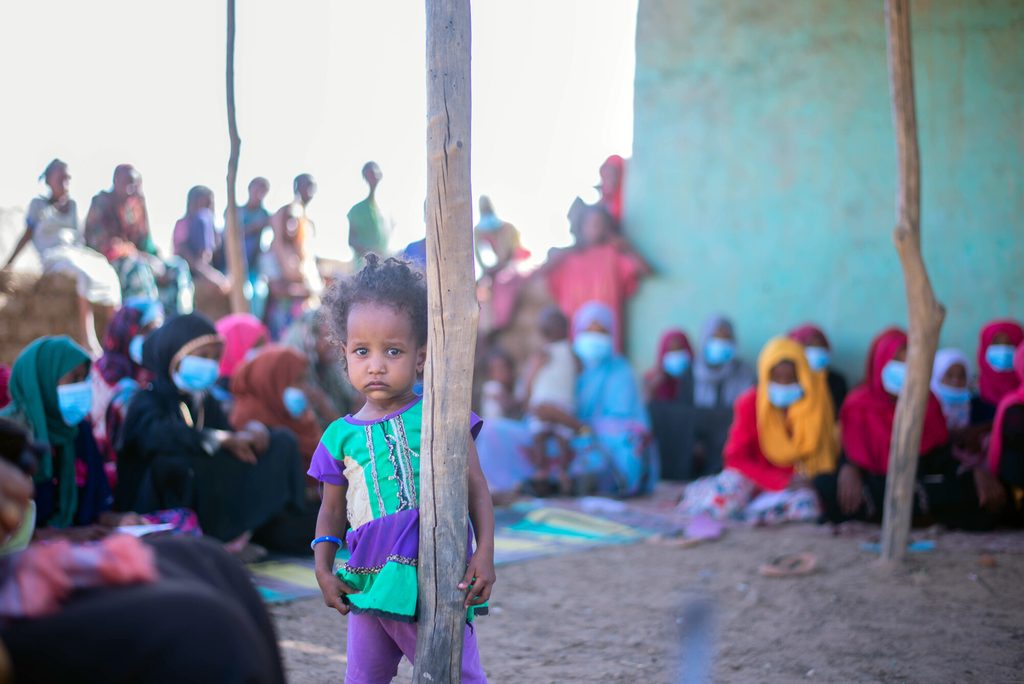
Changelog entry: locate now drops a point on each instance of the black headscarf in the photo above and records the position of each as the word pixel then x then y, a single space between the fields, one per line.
pixel 163 347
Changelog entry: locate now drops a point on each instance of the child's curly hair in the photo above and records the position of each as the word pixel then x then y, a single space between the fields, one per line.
pixel 387 282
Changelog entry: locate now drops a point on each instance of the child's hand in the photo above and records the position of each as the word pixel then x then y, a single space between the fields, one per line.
pixel 479 578
pixel 334 590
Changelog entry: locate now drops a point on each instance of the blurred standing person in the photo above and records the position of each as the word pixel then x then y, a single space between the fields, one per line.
pixel 291 270
pixel 51 224
pixel 195 241
pixel 613 175
pixel 117 226
pixel 254 220
pixel 368 229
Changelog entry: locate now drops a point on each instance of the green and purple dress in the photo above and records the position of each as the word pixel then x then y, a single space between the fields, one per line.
pixel 379 462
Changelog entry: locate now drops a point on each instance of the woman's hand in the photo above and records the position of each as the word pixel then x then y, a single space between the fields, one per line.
pixel 259 435
pixel 334 591
pixel 991 494
pixel 240 446
pixel 851 489
pixel 15 493
pixel 479 577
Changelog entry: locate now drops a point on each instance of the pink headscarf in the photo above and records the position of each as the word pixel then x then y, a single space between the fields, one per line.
pixel 995 442
pixel 993 385
pixel 806 332
pixel 241 332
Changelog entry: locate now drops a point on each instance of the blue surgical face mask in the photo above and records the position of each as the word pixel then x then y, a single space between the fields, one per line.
pixel 135 349
pixel 893 375
pixel 784 396
pixel 75 401
pixel 593 347
pixel 718 351
pixel 1000 357
pixel 953 396
pixel 196 374
pixel 818 358
pixel 295 401
pixel 676 362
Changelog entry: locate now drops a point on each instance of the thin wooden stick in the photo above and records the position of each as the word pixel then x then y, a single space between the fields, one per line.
pixel 452 340
pixel 232 231
pixel 925 313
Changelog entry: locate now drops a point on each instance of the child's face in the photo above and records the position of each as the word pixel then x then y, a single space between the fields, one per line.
pixel 595 230
pixel 382 352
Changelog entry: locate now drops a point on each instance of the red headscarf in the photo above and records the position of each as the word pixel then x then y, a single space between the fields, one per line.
pixel 241 332
pixel 993 385
pixel 259 385
pixel 807 332
pixel 995 444
pixel 613 175
pixel 666 390
pixel 868 412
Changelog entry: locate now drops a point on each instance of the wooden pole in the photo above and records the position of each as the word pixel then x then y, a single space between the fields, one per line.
pixel 925 313
pixel 232 231
pixel 448 376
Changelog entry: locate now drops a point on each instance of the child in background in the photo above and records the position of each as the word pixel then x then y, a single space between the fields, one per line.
pixel 551 379
pixel 369 465
pixel 497 395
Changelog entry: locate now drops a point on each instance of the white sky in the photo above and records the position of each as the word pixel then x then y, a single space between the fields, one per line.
pixel 321 86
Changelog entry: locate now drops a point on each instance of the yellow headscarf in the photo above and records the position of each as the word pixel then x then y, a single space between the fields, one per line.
pixel 805 435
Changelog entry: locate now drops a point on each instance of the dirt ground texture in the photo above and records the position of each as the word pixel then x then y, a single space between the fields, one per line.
pixel 615 614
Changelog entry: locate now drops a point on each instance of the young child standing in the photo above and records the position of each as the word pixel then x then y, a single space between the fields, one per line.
pixel 369 465
pixel 551 380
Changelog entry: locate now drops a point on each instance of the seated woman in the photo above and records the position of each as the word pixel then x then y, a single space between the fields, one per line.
pixel 179 449
pixel 819 358
pixel 964 411
pixel 1006 445
pixel 996 379
pixel 119 374
pixel 51 224
pixel 330 393
pixel 668 389
pixel 719 378
pixel 243 336
pixel 197 618
pixel 783 438
pixel 51 394
pixel 970 499
pixel 272 389
pixel 614 452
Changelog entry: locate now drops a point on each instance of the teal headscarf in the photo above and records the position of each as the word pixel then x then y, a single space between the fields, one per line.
pixel 33 389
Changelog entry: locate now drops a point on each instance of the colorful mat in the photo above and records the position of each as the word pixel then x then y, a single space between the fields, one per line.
pixel 524 531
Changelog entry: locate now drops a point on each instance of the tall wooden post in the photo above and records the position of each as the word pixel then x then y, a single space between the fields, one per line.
pixel 232 231
pixel 452 340
pixel 925 313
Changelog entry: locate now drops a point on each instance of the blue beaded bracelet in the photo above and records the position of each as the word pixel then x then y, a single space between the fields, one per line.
pixel 325 538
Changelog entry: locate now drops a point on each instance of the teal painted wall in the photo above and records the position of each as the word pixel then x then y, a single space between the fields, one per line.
pixel 763 175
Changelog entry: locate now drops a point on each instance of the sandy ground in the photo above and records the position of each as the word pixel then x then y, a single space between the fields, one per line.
pixel 616 614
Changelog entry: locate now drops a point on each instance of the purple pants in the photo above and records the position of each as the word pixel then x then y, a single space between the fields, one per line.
pixel 376 646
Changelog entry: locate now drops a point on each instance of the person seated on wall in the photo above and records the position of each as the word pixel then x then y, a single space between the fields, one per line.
pixel 166 609
pixel 117 226
pixel 613 451
pixel 272 389
pixel 668 389
pixel 783 438
pixel 1006 445
pixel 719 378
pixel 195 241
pixel 51 394
pixel 969 499
pixel 819 357
pixel 51 225
pixel 996 377
pixel 181 451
